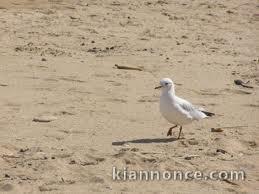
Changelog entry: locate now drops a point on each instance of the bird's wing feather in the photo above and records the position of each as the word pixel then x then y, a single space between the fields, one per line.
pixel 184 104
pixel 190 109
pixel 183 107
pixel 187 106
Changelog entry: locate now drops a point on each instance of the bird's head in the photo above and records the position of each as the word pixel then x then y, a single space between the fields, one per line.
pixel 166 84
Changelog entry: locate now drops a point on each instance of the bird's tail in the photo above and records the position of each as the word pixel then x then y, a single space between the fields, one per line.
pixel 209 114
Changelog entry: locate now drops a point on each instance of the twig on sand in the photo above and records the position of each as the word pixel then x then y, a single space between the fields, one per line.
pixel 9 156
pixel 128 68
pixel 152 153
pixel 220 129
pixel 241 83
pixel 44 119
pixel 229 182
pixel 240 126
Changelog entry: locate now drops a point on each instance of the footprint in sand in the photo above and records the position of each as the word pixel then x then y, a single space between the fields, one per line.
pixel 252 105
pixel 6 187
pixel 207 93
pixel 236 91
pixel 133 156
pixel 71 79
pixel 86 159
pixel 117 100
pixel 114 83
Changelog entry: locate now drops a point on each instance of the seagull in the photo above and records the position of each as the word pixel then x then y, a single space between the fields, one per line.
pixel 177 110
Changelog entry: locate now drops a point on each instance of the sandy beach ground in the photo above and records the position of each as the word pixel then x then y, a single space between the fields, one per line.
pixel 57 60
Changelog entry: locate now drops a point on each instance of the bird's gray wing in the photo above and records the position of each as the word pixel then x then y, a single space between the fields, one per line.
pixel 187 107
pixel 191 110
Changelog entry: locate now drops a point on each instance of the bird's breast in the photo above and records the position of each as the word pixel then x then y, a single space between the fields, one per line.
pixel 170 111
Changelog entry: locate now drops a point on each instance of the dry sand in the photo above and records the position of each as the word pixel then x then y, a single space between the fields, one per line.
pixel 57 61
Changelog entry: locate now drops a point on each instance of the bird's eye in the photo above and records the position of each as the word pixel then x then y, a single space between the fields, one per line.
pixel 166 84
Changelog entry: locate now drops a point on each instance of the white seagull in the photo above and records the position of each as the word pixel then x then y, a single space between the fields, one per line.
pixel 177 110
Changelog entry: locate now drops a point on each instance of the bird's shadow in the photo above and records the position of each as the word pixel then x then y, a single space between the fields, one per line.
pixel 145 140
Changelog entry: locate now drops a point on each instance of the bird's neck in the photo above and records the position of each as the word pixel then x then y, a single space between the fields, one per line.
pixel 170 92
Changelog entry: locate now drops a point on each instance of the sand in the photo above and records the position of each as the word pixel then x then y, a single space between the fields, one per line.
pixel 57 62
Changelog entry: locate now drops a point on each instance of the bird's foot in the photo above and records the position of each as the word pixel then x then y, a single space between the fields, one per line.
pixel 169 133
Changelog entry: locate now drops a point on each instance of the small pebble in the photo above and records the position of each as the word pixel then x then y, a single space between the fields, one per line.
pixel 134 149
pixel 23 150
pixel 229 11
pixel 191 157
pixel 193 142
pixel 221 151
pixel 188 158
pixel 72 162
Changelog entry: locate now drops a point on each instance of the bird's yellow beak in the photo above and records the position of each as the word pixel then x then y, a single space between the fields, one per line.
pixel 158 87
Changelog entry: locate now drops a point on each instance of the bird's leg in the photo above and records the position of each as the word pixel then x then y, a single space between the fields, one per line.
pixel 180 132
pixel 169 133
